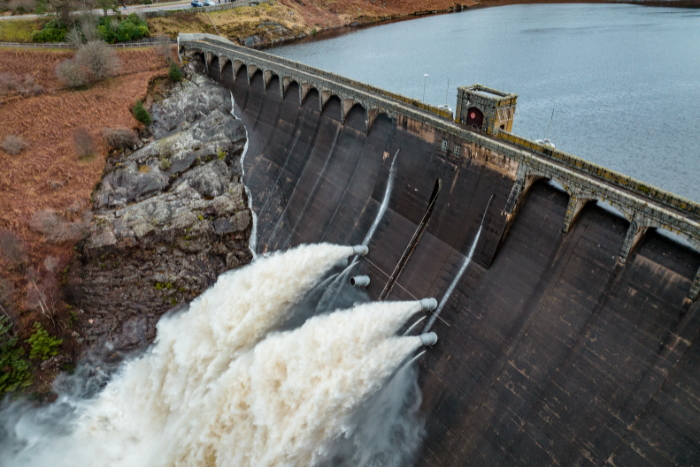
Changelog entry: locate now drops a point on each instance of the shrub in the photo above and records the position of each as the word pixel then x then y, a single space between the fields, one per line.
pixel 163 48
pixel 141 114
pixel 120 138
pixel 131 28
pixel 93 62
pixel 7 290
pixel 98 60
pixel 14 368
pixel 9 82
pixel 43 345
pixel 88 26
pixel 70 73
pixel 83 143
pixel 164 164
pixel 21 6
pixel 56 227
pixel 30 87
pixel 49 35
pixel 13 144
pixel 74 38
pixel 174 73
pixel 11 248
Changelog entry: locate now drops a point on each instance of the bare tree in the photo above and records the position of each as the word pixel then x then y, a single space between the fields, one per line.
pixel 107 5
pixel 88 24
pixel 164 49
pixel 93 62
pixel 74 38
pixel 84 143
pixel 99 60
pixel 12 248
pixel 71 73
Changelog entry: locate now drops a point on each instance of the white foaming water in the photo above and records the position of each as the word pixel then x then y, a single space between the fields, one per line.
pixel 284 402
pixel 218 389
pixel 253 243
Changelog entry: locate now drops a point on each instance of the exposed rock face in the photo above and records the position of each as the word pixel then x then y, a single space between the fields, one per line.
pixel 167 220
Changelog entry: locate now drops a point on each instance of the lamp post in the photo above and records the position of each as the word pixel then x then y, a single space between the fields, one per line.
pixel 425 79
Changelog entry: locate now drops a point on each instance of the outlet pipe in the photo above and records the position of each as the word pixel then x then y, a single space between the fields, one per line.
pixel 429 338
pixel 360 250
pixel 428 304
pixel 359 281
pixel 343 263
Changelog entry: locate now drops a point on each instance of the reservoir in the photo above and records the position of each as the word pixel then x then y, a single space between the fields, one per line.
pixel 622 79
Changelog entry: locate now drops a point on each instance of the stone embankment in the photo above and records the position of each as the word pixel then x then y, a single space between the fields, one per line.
pixel 168 218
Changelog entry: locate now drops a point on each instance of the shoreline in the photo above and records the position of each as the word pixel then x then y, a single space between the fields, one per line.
pixel 338 31
pixel 251 28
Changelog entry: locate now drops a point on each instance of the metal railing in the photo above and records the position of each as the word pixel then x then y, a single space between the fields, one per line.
pixel 149 42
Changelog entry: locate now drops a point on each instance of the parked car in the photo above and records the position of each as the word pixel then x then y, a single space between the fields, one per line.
pixel 196 4
pixel 209 2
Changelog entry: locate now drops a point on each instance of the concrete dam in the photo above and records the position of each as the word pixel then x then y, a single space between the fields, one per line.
pixel 570 338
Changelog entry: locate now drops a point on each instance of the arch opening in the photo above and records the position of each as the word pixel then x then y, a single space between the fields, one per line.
pixel 214 69
pixel 333 103
pixel 310 96
pixel 227 75
pixel 257 73
pixel 356 117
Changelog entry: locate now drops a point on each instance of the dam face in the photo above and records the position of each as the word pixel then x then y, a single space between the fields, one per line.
pixel 551 351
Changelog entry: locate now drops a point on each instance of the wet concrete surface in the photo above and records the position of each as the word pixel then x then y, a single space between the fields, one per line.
pixel 550 352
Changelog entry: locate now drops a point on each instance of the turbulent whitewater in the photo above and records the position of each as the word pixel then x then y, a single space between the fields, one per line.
pixel 223 386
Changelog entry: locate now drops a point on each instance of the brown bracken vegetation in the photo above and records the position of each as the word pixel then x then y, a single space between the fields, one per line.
pixel 45 190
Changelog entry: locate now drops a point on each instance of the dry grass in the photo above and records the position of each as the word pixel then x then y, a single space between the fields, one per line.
pixel 181 22
pixel 49 178
pixel 39 64
pixel 239 23
pixel 18 30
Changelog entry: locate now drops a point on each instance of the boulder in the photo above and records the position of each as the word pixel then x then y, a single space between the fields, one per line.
pixel 210 180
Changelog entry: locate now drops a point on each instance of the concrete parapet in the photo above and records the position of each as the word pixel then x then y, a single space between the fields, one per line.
pixel 611 176
pixel 252 54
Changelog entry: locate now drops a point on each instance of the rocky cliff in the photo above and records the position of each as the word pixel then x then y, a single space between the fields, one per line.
pixel 168 218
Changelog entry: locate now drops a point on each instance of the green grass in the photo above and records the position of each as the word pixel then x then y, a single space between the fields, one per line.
pixel 18 30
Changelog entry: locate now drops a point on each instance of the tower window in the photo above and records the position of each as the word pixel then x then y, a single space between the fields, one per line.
pixel 457 150
pixel 444 145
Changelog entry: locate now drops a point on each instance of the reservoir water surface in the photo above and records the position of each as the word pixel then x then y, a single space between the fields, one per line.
pixel 623 80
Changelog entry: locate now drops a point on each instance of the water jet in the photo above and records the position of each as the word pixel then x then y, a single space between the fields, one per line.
pixel 429 338
pixel 361 250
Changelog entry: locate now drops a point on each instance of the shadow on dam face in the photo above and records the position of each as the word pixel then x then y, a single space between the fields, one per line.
pixel 550 351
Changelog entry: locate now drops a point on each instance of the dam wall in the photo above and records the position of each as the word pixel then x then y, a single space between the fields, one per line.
pixel 572 337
